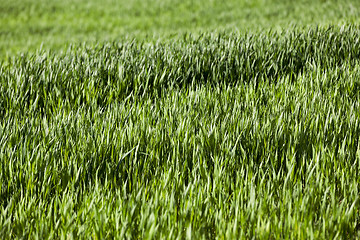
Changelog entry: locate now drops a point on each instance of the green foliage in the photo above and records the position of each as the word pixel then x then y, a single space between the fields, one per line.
pixel 216 136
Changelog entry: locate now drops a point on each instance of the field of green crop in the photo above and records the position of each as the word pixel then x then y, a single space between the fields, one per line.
pixel 179 119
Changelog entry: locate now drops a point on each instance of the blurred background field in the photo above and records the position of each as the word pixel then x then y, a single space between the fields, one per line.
pixel 25 25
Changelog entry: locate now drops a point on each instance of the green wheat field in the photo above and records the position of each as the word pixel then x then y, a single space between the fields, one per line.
pixel 179 119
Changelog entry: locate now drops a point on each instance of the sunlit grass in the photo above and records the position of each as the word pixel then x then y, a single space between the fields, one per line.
pixel 219 136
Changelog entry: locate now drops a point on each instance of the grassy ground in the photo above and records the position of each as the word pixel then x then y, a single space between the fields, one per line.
pixel 214 134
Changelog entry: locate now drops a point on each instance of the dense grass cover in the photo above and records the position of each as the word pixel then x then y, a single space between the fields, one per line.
pixel 214 136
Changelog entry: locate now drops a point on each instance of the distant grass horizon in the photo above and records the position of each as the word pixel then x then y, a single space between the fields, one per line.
pixel 27 25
